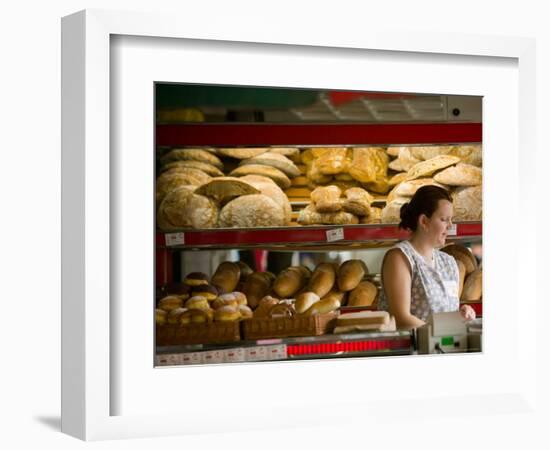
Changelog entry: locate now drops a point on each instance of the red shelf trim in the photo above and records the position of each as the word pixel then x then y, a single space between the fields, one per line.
pixel 316 134
pixel 304 235
pixel 348 347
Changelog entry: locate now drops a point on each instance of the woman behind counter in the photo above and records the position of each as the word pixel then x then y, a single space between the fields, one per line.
pixel 418 279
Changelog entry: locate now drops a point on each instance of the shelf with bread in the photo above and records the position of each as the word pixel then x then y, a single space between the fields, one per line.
pixel 214 193
pixel 321 237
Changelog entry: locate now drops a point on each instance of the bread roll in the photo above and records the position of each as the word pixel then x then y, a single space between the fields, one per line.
pixel 363 295
pixel 327 199
pixel 276 160
pixel 224 189
pixel 323 306
pixel 197 302
pixel 289 281
pixel 172 317
pixel 335 294
pixel 305 300
pixel 227 313
pixel 245 312
pixel 181 208
pixel 160 316
pixel 251 211
pixel 264 306
pixel 350 274
pixel 323 279
pixel 310 216
pixel 170 302
pixel 227 276
pixel 245 270
pixel 206 291
pixel 256 287
pixel 196 279
pixel 357 201
pixel 472 286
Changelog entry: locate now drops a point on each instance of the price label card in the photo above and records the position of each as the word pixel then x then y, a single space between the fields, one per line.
pixel 174 239
pixel 452 230
pixel 195 358
pixel 256 354
pixel 235 355
pixel 336 234
pixel 276 352
pixel 172 359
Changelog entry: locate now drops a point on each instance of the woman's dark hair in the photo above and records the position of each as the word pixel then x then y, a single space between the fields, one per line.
pixel 425 201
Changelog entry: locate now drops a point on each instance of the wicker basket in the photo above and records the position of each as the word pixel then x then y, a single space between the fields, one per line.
pixel 291 325
pixel 198 333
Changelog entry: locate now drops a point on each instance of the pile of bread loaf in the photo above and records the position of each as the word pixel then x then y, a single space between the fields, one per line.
pixel 235 292
pixel 330 206
pixel 194 192
pixel 470 273
pixel 455 168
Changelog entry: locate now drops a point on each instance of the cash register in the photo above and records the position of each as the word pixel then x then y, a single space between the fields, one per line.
pixel 449 333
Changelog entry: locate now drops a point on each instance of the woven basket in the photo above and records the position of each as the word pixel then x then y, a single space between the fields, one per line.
pixel 198 333
pixel 290 325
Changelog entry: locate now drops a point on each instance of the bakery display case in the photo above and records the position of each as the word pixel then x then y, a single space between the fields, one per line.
pixel 270 234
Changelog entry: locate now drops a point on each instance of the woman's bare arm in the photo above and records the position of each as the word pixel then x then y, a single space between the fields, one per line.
pixel 396 277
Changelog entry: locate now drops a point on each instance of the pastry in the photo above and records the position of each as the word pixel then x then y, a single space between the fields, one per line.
pixel 206 291
pixel 170 302
pixel 173 316
pixel 197 302
pixel 196 279
pixel 245 312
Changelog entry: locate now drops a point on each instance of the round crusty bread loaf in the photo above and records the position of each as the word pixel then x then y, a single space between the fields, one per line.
pixel 275 174
pixel 224 189
pixel 192 154
pixel 472 286
pixel 467 203
pixel 460 252
pixel 251 211
pixel 268 187
pixel 276 160
pixel 172 179
pixel 242 152
pixel 181 208
pixel 211 170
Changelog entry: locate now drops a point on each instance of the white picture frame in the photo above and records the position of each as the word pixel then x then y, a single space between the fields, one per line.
pixel 89 386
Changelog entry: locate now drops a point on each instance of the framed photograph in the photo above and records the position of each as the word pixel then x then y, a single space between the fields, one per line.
pixel 124 251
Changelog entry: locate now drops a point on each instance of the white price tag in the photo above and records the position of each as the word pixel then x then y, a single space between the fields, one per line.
pixel 452 230
pixel 174 239
pixel 336 234
pixel 235 355
pixel 256 353
pixel 213 357
pixel 276 352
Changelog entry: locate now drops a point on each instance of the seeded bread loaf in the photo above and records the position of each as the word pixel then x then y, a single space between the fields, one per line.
pixel 275 174
pixel 192 154
pixel 225 189
pixel 182 208
pixel 251 211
